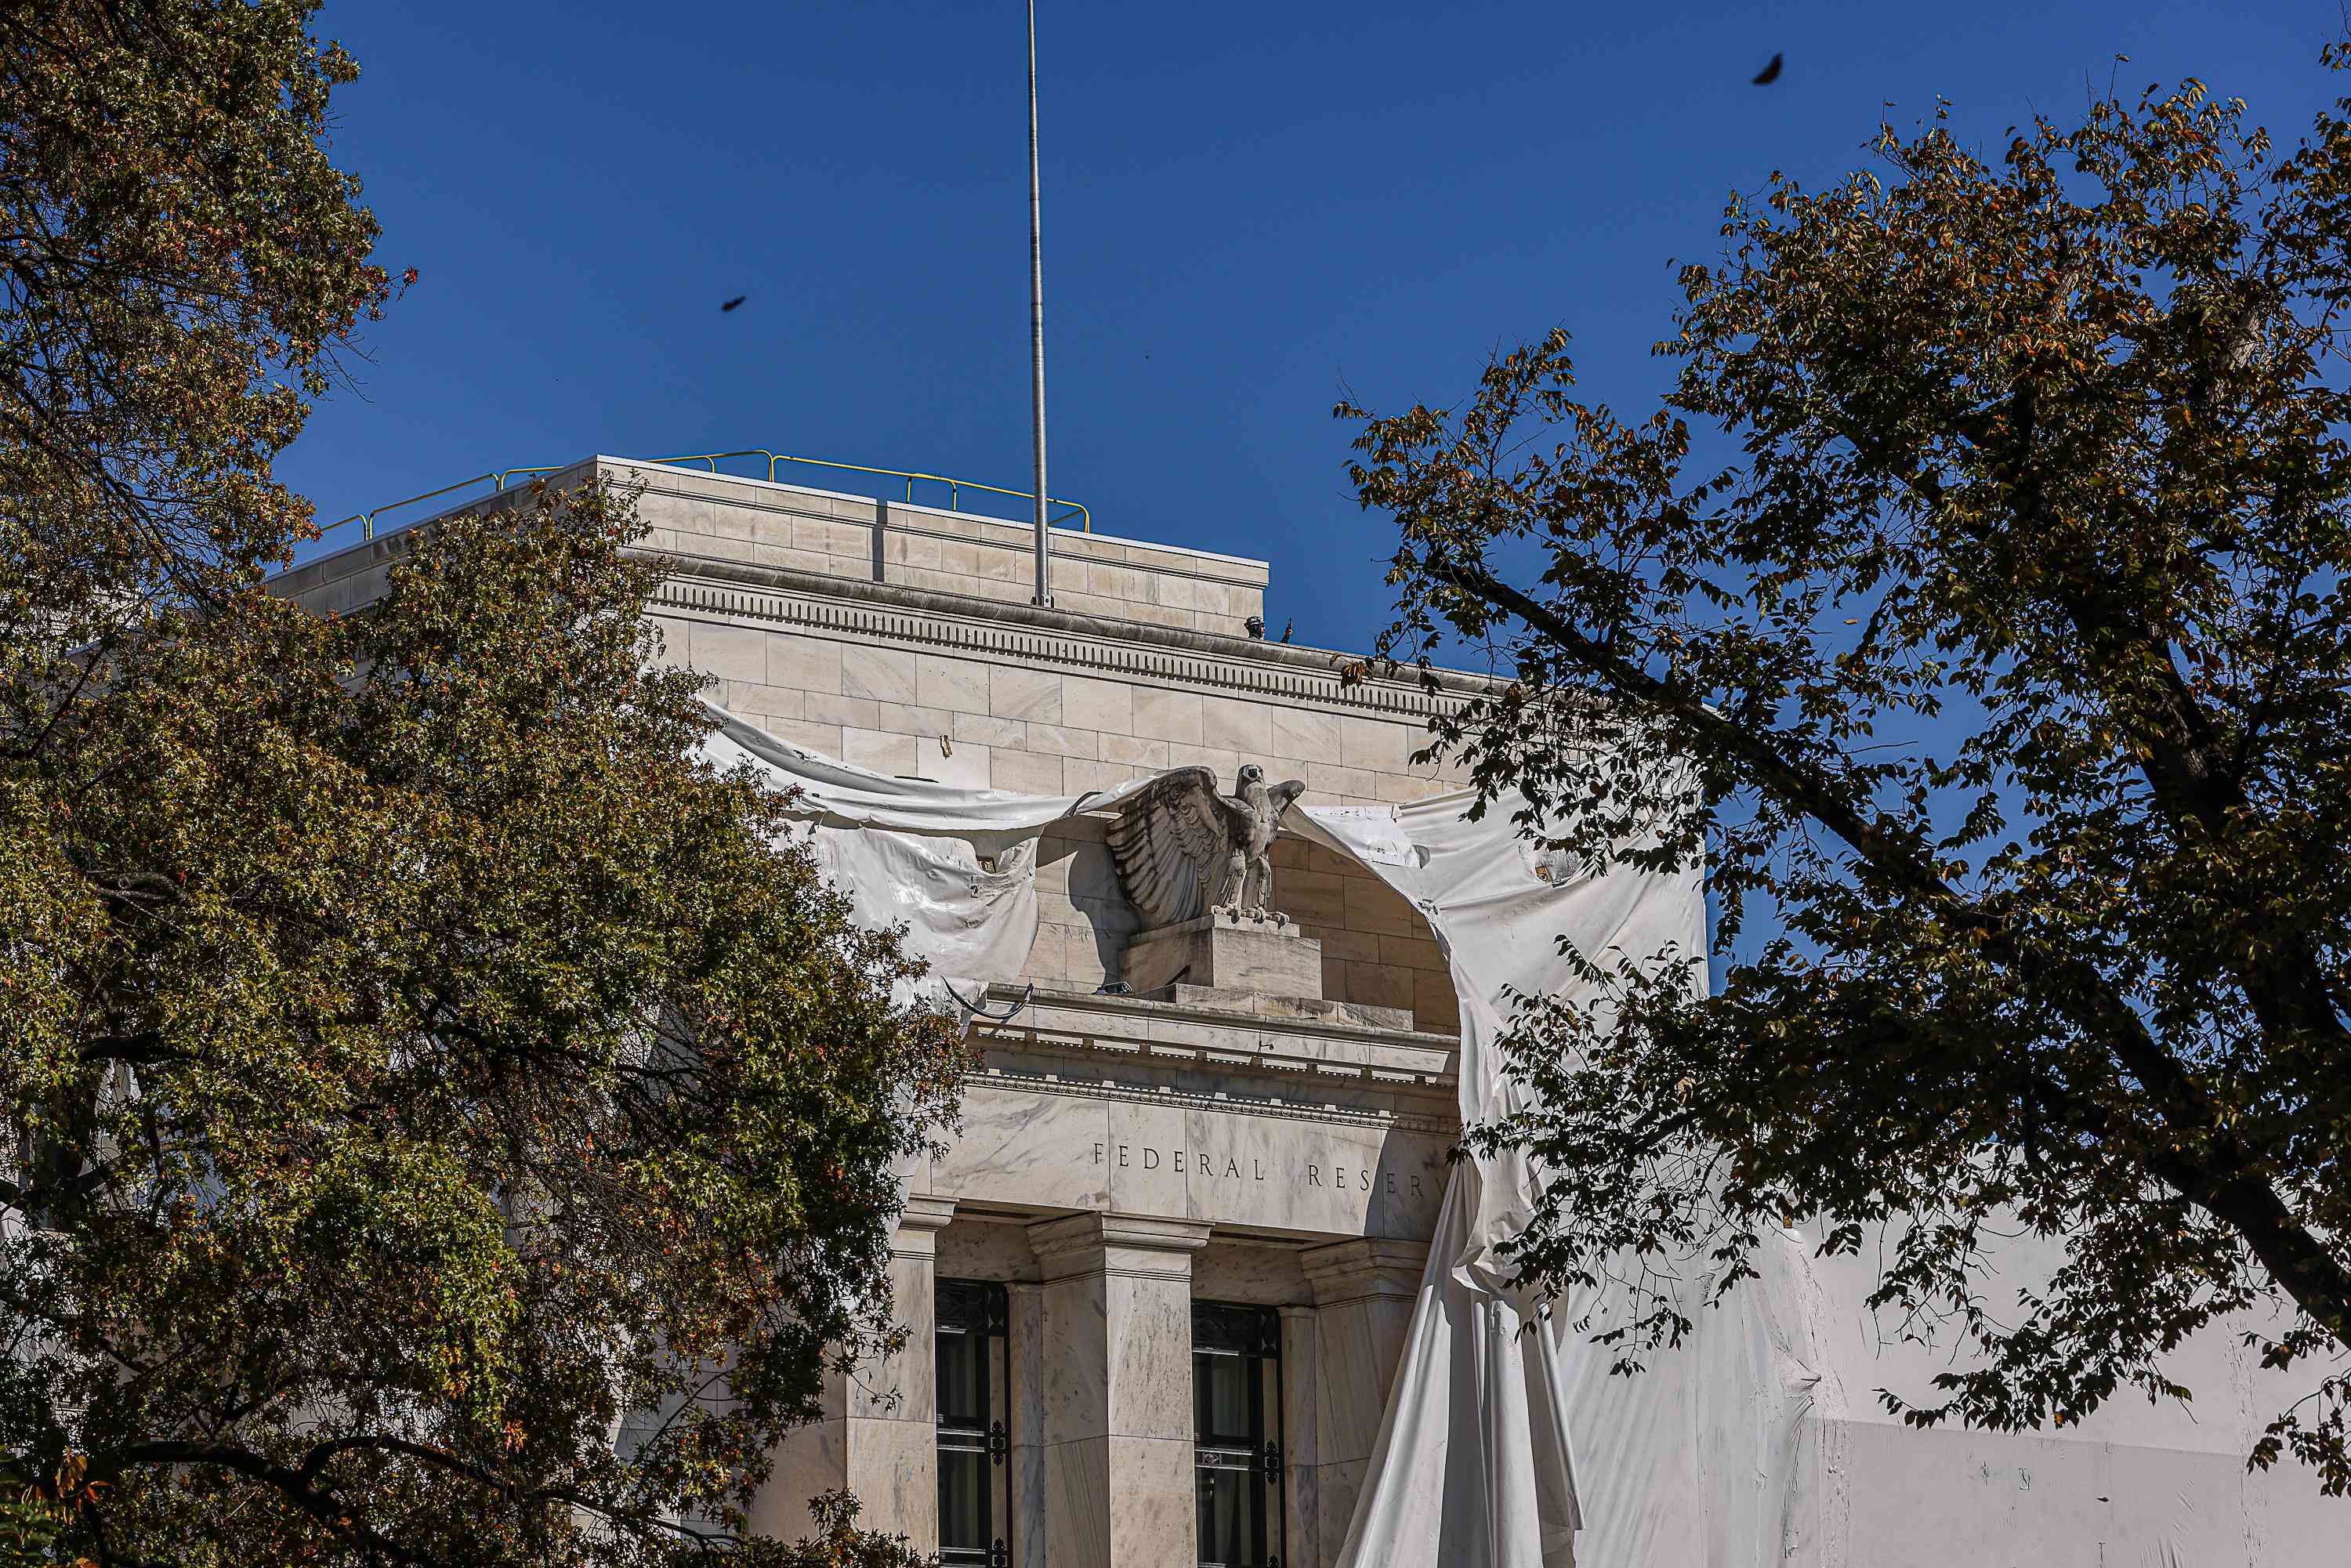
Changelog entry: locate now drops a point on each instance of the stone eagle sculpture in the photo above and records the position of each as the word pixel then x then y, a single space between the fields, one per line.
pixel 1184 850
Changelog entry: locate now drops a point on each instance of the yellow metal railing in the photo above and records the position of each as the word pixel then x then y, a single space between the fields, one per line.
pixel 366 519
pixel 497 480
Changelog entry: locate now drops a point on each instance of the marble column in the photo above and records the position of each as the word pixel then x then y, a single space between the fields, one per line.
pixel 1026 1368
pixel 879 1435
pixel 1117 1328
pixel 1364 1294
pixel 1301 1442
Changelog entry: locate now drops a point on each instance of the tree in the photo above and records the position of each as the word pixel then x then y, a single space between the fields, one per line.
pixel 181 265
pixel 445 1123
pixel 459 1124
pixel 2001 674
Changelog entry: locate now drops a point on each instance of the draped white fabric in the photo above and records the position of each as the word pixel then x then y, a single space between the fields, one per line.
pixel 907 850
pixel 1478 1461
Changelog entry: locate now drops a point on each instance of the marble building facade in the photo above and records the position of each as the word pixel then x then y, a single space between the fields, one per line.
pixel 1158 1286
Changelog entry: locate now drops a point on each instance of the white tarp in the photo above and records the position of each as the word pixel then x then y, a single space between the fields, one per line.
pixel 1479 1461
pixel 1506 1443
pixel 910 850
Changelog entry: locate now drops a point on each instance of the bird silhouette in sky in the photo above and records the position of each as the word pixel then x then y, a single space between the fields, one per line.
pixel 732 303
pixel 1769 74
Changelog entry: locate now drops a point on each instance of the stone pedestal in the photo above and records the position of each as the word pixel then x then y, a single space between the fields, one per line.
pixel 1117 1375
pixel 1363 1295
pixel 879 1435
pixel 1227 952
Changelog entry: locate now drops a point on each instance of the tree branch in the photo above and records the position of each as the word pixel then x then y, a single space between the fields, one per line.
pixel 2318 1282
pixel 322 1506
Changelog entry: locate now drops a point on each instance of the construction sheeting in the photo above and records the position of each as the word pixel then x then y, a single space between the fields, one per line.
pixel 1506 1442
pixel 909 851
pixel 1487 1453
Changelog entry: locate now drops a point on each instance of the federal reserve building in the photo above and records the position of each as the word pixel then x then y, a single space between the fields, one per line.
pixel 1200 1279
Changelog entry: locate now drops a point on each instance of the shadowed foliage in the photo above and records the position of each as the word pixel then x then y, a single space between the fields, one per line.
pixel 455 1128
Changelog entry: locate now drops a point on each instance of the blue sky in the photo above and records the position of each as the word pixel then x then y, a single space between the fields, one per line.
pixel 1247 210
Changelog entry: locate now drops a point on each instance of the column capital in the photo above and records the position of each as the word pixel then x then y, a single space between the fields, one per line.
pixel 1364 1267
pixel 919 1224
pixel 927 1214
pixel 1115 1243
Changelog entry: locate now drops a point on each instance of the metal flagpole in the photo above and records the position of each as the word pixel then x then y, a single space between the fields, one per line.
pixel 1037 328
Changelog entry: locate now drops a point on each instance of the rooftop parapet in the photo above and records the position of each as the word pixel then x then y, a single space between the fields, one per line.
pixel 709 516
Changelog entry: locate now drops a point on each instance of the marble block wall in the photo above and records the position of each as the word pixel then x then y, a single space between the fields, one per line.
pixel 968 718
pixel 935 550
pixel 727 520
pixel 879 1435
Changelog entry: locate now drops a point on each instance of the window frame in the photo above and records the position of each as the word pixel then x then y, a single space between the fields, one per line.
pixel 1253 1335
pixel 980 1309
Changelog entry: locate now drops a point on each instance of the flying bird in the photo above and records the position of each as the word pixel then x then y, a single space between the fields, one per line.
pixel 740 298
pixel 1769 74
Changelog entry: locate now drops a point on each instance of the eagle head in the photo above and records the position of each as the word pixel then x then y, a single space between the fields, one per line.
pixel 1250 773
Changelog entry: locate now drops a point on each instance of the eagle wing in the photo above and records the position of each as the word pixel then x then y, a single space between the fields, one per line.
pixel 1170 843
pixel 1279 797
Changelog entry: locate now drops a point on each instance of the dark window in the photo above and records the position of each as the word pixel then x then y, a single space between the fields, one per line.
pixel 1236 1425
pixel 975 1496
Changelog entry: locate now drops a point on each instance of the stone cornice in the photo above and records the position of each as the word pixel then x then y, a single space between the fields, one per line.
pixel 1365 1269
pixel 1203 660
pixel 1292 1059
pixel 1273 1107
